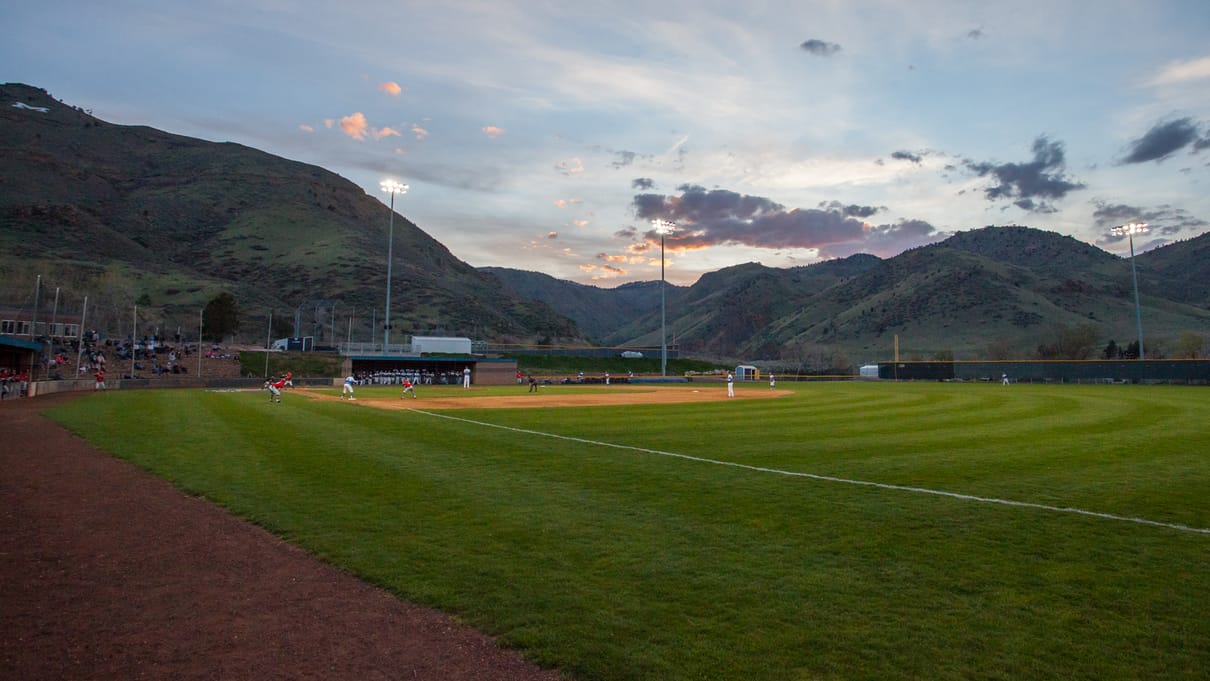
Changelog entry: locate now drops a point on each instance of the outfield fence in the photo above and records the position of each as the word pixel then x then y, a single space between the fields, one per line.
pixel 1183 371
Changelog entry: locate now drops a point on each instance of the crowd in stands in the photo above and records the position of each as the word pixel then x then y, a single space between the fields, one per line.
pixel 144 357
pixel 415 376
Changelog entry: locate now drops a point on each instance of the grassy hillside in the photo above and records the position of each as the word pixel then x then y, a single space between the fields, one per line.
pixel 122 213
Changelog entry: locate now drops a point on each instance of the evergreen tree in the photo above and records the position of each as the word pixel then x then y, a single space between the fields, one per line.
pixel 220 317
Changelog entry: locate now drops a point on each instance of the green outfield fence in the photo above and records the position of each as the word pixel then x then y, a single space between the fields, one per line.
pixel 1185 371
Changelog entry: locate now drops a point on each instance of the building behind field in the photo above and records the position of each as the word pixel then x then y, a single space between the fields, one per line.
pixel 445 345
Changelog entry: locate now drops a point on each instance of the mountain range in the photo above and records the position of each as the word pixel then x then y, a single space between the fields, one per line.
pixel 995 290
pixel 131 215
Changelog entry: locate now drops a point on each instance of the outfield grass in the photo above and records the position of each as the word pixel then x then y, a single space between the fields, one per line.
pixel 617 564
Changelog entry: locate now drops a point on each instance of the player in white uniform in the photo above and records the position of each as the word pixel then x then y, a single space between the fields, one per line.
pixel 348 388
pixel 730 385
pixel 466 377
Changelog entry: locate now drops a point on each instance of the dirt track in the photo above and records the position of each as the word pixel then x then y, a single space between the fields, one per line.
pixel 107 572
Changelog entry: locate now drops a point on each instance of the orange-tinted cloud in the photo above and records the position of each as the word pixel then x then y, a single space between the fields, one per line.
pixel 573 167
pixel 354 125
pixel 391 88
pixel 419 132
pixel 379 133
pixel 552 235
pixel 492 131
pixel 306 128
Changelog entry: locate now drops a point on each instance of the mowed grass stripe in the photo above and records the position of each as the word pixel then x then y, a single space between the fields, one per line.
pixel 614 565
pixel 824 478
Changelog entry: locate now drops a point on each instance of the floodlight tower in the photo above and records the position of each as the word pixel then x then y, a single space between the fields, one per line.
pixel 392 187
pixel 663 228
pixel 1130 230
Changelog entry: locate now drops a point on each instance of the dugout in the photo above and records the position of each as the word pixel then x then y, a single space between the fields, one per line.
pixel 19 355
pixel 445 370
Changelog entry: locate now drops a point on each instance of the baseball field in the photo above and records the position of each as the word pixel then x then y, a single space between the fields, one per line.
pixel 820 531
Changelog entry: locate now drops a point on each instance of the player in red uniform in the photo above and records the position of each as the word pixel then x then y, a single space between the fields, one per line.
pixel 408 387
pixel 274 388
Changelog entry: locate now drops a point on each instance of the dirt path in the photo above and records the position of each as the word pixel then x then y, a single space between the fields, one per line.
pixel 107 572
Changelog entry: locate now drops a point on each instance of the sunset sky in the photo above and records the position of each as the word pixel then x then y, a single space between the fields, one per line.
pixel 547 135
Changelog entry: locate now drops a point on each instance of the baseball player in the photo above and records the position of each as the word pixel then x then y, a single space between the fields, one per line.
pixel 274 388
pixel 347 391
pixel 408 387
pixel 730 385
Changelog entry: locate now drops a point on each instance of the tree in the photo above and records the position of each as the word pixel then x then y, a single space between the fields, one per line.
pixel 1112 351
pixel 1074 342
pixel 220 317
pixel 1190 345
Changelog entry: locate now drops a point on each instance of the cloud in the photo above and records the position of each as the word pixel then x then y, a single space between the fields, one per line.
pixel 1035 206
pixel 888 240
pixel 1181 71
pixel 552 235
pixel 907 156
pixel 976 33
pixel 851 210
pixel 1041 178
pixel 354 125
pixel 1163 140
pixel 820 48
pixel 1164 219
pixel 573 167
pixel 379 133
pixel 306 128
pixel 419 132
pixel 718 217
pixel 628 232
pixel 626 158
pixel 642 183
pixel 391 88
pixel 492 131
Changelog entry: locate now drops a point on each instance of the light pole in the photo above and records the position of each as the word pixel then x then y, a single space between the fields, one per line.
pixel 392 187
pixel 663 228
pixel 1130 230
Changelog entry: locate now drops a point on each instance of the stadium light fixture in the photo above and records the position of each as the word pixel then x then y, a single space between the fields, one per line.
pixel 392 187
pixel 1130 230
pixel 663 228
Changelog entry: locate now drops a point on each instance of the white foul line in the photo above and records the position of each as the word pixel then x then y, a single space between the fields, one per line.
pixel 829 478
